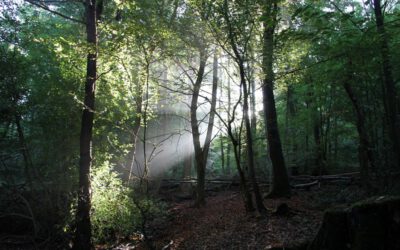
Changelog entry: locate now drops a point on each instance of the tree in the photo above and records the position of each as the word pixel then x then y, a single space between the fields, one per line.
pixel 391 98
pixel 201 152
pixel 83 226
pixel 280 181
pixel 239 47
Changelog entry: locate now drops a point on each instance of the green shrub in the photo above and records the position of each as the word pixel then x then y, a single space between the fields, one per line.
pixel 114 213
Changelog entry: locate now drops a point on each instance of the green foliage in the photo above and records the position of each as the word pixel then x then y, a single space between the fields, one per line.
pixel 114 212
pixel 148 43
pixel 117 210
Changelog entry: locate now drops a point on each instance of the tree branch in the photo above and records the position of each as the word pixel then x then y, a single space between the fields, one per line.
pixel 42 6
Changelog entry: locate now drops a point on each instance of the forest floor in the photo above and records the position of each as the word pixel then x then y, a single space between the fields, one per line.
pixel 223 223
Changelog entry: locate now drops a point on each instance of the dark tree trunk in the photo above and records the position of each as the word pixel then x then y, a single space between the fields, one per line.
pixel 222 155
pixel 248 201
pixel 201 158
pixel 228 150
pixel 221 139
pixel 290 134
pixel 249 136
pixel 83 232
pixel 198 150
pixel 24 151
pixel 366 158
pixel 239 59
pixel 213 106
pixel 252 99
pixel 280 183
pixel 319 156
pixel 390 100
pixel 253 117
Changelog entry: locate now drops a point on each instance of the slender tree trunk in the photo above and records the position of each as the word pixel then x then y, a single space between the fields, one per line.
pixel 253 117
pixel 24 151
pixel 83 232
pixel 252 83
pixel 280 184
pixel 198 151
pixel 239 58
pixel 391 102
pixel 210 126
pixel 187 166
pixel 222 155
pixel 221 139
pixel 319 158
pixel 290 135
pixel 366 157
pixel 236 143
pixel 228 150
pixel 248 201
pixel 249 136
pixel 365 152
pixel 201 153
pixel 135 129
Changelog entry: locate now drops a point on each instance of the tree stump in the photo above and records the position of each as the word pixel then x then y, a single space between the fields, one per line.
pixel 373 224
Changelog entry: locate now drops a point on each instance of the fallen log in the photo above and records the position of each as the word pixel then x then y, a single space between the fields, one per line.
pixel 368 225
pixel 332 176
pixel 305 185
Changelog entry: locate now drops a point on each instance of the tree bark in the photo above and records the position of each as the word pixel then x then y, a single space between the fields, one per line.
pixel 236 142
pixel 228 150
pixel 83 232
pixel 239 59
pixel 390 100
pixel 24 151
pixel 136 128
pixel 366 158
pixel 198 150
pixel 280 183
pixel 249 136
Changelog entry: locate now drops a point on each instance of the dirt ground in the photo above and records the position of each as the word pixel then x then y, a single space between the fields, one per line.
pixel 223 224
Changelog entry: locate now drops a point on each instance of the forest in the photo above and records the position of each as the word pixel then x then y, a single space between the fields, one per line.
pixel 200 124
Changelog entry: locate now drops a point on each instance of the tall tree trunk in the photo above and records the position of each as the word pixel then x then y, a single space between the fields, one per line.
pixel 222 155
pixel 236 143
pixel 390 100
pixel 228 150
pixel 319 156
pixel 252 97
pixel 280 184
pixel 239 59
pixel 210 126
pixel 198 151
pixel 253 117
pixel 249 137
pixel 248 201
pixel 290 134
pixel 136 128
pixel 366 157
pixel 24 151
pixel 221 139
pixel 83 232
pixel 201 153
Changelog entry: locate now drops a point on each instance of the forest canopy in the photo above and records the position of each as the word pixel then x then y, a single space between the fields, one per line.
pixel 105 104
